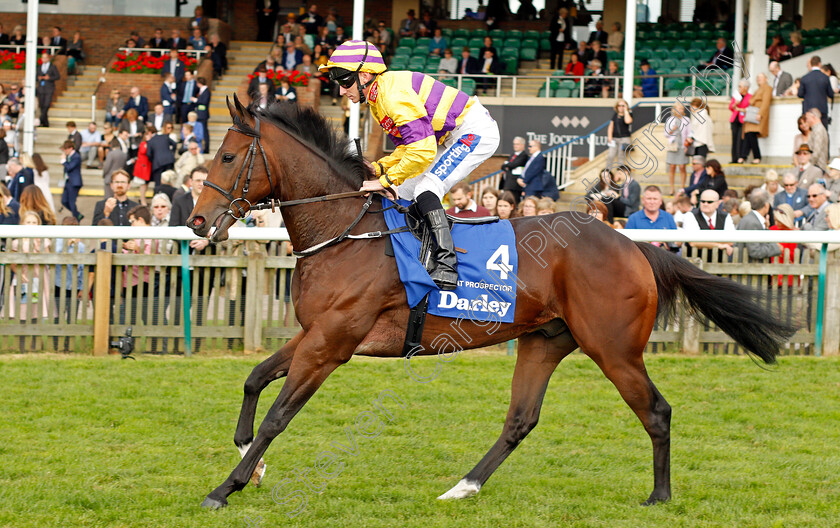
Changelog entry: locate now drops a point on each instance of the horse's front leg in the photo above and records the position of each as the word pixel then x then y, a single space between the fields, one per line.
pixel 316 356
pixel 269 370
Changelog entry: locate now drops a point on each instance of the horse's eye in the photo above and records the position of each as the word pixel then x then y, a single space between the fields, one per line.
pixel 228 158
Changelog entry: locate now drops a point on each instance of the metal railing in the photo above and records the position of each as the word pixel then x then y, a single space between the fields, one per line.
pixel 164 51
pixel 22 47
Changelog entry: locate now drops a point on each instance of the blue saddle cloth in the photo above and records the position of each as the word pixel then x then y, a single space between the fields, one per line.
pixel 486 272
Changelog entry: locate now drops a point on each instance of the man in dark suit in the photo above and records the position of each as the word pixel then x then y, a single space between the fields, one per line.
pixel 467 64
pixel 72 162
pixel 115 160
pixel 489 65
pixel 159 117
pixel 532 174
pixel 161 152
pixel 782 80
pixel 74 135
pixel 755 220
pixel 722 58
pixel 187 91
pixel 158 42
pixel 260 78
pixel 174 66
pixel 815 89
pixel 599 34
pixel 202 108
pixel 266 17
pixel 169 96
pixel 57 40
pixel 20 177
pixel 138 102
pixel 4 37
pixel 218 54
pixel 176 42
pixel 116 207
pixel 45 88
pixel 291 57
pixel 513 169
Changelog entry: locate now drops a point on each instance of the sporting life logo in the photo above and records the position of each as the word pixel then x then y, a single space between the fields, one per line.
pixel 455 155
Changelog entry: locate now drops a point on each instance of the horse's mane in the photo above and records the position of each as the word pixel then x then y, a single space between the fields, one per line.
pixel 311 127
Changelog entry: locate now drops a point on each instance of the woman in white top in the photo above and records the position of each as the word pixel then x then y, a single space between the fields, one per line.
pixel 42 175
pixel 828 69
pixel 702 129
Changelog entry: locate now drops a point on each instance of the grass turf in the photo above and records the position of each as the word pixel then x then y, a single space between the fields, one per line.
pixel 102 442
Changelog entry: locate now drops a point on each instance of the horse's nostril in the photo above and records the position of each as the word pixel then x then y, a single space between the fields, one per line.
pixel 198 221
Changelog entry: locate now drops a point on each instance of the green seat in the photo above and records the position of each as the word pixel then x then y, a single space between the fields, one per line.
pixel 512 43
pixel 408 42
pixel 446 32
pixel 644 54
pixel 475 51
pixel 671 34
pixel 528 54
pixel 497 34
pixel 511 65
pixel 420 51
pixel 432 59
pixel 546 34
pixel 457 44
pixel 686 64
pixel 478 33
pixel 399 63
pixel 677 54
pixel 530 43
pixel 693 54
pixel 510 52
pixel 403 50
pixel 468 86
pixel 568 84
pixel 417 60
pixel 513 33
pixel 541 91
pixel 476 42
pixel 449 81
pixel 545 44
pixel 562 92
pixel 430 68
pixel 423 41
pixel 461 33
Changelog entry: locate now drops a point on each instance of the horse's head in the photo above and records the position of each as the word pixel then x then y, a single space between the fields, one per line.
pixel 238 178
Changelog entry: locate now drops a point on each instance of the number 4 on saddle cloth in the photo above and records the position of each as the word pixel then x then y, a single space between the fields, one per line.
pixel 487 270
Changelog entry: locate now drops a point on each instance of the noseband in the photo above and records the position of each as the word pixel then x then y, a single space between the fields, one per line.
pixel 249 162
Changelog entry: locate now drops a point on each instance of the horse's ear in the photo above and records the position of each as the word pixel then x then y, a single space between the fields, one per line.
pixel 239 108
pixel 231 108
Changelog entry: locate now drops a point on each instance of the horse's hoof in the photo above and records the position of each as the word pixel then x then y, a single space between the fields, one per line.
pixel 465 488
pixel 259 473
pixel 656 499
pixel 213 504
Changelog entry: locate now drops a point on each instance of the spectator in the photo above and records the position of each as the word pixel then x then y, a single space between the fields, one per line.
pixel 136 102
pixel 89 148
pixel 74 135
pixel 489 198
pixel 20 177
pixel 488 46
pixel 804 127
pixel 72 162
pixel 68 281
pixel 183 204
pixel 828 69
pixel 4 37
pixel 815 212
pixel 792 194
pixel 197 40
pixel 560 35
pixel 116 207
pixel 513 168
pixel 463 205
pixel 702 129
pixel 41 178
pixel 291 28
pixel 709 217
pixel 136 287
pixel 489 66
pixel 384 34
pixel 584 52
pixel 533 174
pixel 680 208
pixel 158 42
pixel 427 25
pixel 833 182
pixel 438 43
pixel 818 138
pixel 174 66
pixel 782 80
pixel 189 160
pixel 184 188
pixel 291 57
pixel 161 208
pixel 187 135
pixel 158 117
pixel 33 285
pixel 262 98
pixel 505 205
pixel 652 216
pixel 448 64
pixel 199 21
pixel 4 154
pixel 677 133
pixel 771 184
pixel 9 207
pixel 188 91
pixel 339 37
pixel 808 173
pixel 594 85
pixel 57 40
pixel 599 34
pixel 630 192
pixel 752 131
pixel 197 127
pixel 167 178
pixel 574 67
pixel 161 155
pixel 75 51
pixel 717 178
pixel 598 53
pixel 723 56
pixel 176 41
pixel 698 177
pixel 311 21
pixel 608 90
pixel 649 86
pixel 815 90
pixel 307 67
pixel 527 207
pixel 18 37
pixel 738 105
pixel 784 221
pixel 266 18
pixel 218 54
pixel 47 76
pixel 286 92
pixel 116 159
pixel 545 206
pixel 202 110
pixel 409 25
pixel 468 65
pixel 796 46
pixel 135 128
pixel 778 50
pixel 759 201
pixel 113 107
pixel 320 55
pixel 259 80
pixel 143 167
pixel 616 39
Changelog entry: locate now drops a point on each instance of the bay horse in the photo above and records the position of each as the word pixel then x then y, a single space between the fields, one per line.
pixel 588 287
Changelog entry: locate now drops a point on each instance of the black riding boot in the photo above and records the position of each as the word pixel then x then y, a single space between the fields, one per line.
pixel 445 273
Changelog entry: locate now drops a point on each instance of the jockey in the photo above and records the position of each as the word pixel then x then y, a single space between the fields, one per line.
pixel 441 134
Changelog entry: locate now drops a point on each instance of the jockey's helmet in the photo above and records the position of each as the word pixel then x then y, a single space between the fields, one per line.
pixel 351 58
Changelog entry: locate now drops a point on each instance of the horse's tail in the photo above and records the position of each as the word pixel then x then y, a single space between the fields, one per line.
pixel 733 307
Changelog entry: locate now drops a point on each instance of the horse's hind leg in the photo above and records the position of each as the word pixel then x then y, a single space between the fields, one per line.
pixel 274 367
pixel 537 358
pixel 628 374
